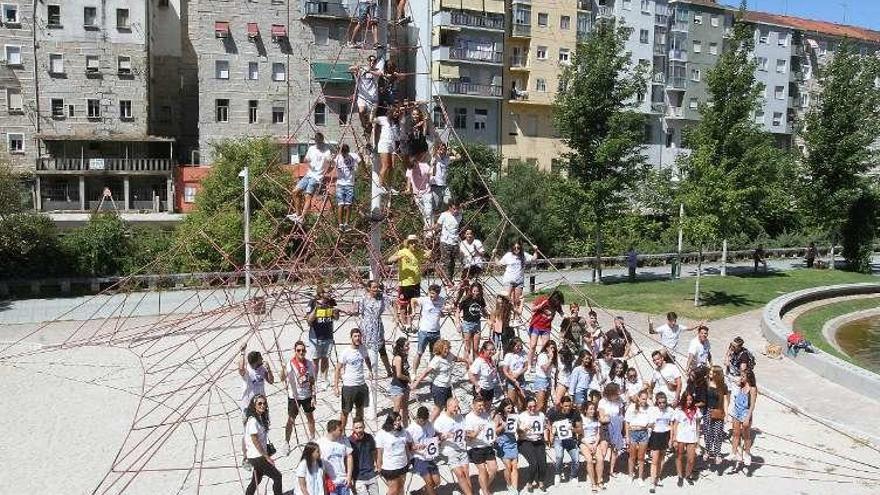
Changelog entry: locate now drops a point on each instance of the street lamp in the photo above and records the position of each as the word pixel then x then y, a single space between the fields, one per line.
pixel 245 174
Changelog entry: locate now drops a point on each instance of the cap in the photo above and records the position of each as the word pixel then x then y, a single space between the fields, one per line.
pixel 411 237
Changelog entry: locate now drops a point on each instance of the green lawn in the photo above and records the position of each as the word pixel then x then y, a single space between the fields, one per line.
pixel 721 296
pixel 811 322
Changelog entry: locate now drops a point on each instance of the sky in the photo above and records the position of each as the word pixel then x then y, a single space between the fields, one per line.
pixel 864 13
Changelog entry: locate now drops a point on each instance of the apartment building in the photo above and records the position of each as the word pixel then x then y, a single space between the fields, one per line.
pixel 76 81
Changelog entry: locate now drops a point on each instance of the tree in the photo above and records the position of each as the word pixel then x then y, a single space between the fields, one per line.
pixel 12 192
pixel 595 115
pixel 839 130
pixel 734 173
pixel 29 247
pixel 100 247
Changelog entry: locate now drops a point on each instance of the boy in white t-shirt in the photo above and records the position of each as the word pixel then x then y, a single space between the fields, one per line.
pixel 336 455
pixel 318 159
pixel 299 374
pixel 447 224
pixel 346 164
pixel 355 393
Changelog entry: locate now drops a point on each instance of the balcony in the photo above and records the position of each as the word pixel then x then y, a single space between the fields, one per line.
pixel 477 21
pixel 675 112
pixel 677 55
pixel 520 30
pixel 583 36
pixel 658 78
pixel 140 165
pixel 519 62
pixel 585 5
pixel 324 10
pixel 658 107
pixel 677 83
pixel 472 89
pixel 660 49
pixel 661 19
pixel 604 12
pixel 471 55
pixel 680 26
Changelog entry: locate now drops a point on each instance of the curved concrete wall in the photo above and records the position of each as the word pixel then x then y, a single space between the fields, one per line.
pixel 846 374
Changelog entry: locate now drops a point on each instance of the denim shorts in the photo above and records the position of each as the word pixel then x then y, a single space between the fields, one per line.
pixel 426 340
pixel 540 332
pixel 639 436
pixel 540 384
pixel 424 468
pixel 506 447
pixel 470 327
pixel 397 390
pixel 320 348
pixel 344 194
pixel 440 395
pixel 365 10
pixel 308 184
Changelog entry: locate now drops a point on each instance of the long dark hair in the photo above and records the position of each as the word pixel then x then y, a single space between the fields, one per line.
pixel 308 450
pixel 399 346
pixel 503 404
pixel 251 410
pixel 556 299
pixel 566 357
pixel 521 255
pixel 388 425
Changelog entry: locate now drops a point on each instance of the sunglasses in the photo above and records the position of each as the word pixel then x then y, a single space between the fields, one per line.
pixel 300 350
pixel 261 403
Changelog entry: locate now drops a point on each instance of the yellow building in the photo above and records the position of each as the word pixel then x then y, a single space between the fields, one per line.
pixel 541 39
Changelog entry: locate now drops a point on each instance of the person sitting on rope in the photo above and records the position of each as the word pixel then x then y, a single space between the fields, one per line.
pixel 440 160
pixel 367 91
pixel 515 262
pixel 447 224
pixel 418 175
pixel 365 18
pixel 346 165
pixel 417 138
pixel 317 158
pixel 402 18
pixel 410 260
pixel 472 255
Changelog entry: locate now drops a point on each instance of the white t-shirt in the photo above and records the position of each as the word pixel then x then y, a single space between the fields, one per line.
pixel 637 416
pixel 368 89
pixel 449 228
pixel 612 409
pixel 317 160
pixel 441 165
pixel 688 430
pixel 346 165
pixel 426 445
pixel 334 454
pixel 514 271
pixel 354 361
pixel 453 429
pixel 544 360
pixel 514 362
pixel 510 422
pixel 669 335
pixel 431 312
pixel 662 419
pixel 470 253
pixel 532 426
pixel 487 375
pixel 250 428
pixel 485 436
pixel 442 368
pixel 393 445
pixel 314 479
pixel 591 430
pixel 299 387
pixel 387 132
pixel 253 383
pixel 664 381
pixel 700 351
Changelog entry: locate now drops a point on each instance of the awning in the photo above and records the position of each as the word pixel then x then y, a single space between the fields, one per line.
pixel 328 72
pixel 279 31
pixel 139 138
pixel 253 30
pixel 221 28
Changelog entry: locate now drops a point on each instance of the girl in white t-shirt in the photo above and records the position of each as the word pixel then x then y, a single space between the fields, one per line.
pixel 611 410
pixel 309 473
pixel 545 372
pixel 441 366
pixel 514 263
pixel 661 416
pixel 593 446
pixel 685 435
pixel 483 372
pixel 506 446
pixel 513 367
pixel 256 445
pixel 638 427
pixel 393 449
pixel 389 130
pixel 533 434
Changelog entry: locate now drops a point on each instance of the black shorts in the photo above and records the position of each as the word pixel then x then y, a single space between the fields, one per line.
pixel 406 293
pixel 480 455
pixel 440 395
pixel 357 396
pixel 658 440
pixel 295 405
pixel 488 394
pixel 393 474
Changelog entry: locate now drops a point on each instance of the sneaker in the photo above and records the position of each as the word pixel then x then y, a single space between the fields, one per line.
pixel 690 480
pixel 531 488
pixel 557 479
pixel 652 490
pixel 680 482
pixel 542 488
pixel 747 459
pixel 295 218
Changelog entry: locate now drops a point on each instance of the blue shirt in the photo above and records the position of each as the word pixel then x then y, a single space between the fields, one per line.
pixel 362 457
pixel 579 380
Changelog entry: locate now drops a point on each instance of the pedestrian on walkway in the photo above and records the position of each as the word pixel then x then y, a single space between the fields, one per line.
pixel 533 438
pixel 257 447
pixel 717 398
pixel 742 408
pixel 363 456
pixel 400 378
pixel 685 435
pixel 299 375
pixel 632 262
pixel 393 449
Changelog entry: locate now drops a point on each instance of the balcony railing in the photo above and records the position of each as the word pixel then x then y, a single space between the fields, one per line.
pixel 585 5
pixel 519 62
pixel 312 8
pixel 468 88
pixel 660 49
pixel 604 12
pixel 659 78
pixel 679 55
pixel 680 26
pixel 677 83
pixel 106 164
pixel 661 19
pixel 658 107
pixel 475 55
pixel 479 21
pixel 521 30
pixel 675 112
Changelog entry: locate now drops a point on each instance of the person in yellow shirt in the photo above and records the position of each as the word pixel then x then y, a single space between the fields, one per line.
pixel 410 260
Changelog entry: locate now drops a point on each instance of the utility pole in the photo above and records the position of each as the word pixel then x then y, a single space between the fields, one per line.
pixel 245 174
pixel 677 269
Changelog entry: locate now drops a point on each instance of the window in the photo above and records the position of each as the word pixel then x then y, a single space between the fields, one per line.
pixel 344 110
pixel 713 48
pixel 253 71
pixel 279 72
pixel 541 85
pixel 278 114
pixel 15 143
pixel 779 92
pixel 53 15
pixel 670 138
pixel 222 110
pixel 57 108
pixel 646 6
pixel 627 5
pixel 698 46
pixel 543 19
pixel 10 14
pixel 221 69
pixel 460 118
pixel 777 119
pixel 522 14
pixel 695 75
pixel 13 55
pixel 783 39
pixel 531 126
pixel 56 63
pixel 93 108
pixel 541 53
pixel 762 63
pixel 252 111
pixel 698 18
pixel 643 36
pixel 714 21
pixel 481 115
pixel 565 22
pixel 189 193
pixel 322 35
pixel 90 17
pixel 439 118
pixel 759 117
pixel 762 36
pixel 122 21
pixel 125 109
pixel 693 103
pixel 780 65
pixel 14 102
pixel 123 65
pixel 92 64
pixel 564 55
pixel 71 111
pixel 805 100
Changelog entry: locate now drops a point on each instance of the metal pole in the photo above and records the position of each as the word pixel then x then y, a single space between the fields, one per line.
pixel 680 239
pixel 245 174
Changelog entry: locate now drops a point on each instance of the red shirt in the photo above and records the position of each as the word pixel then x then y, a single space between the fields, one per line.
pixel 542 314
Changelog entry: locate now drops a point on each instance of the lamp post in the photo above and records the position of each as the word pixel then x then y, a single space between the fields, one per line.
pixel 245 174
